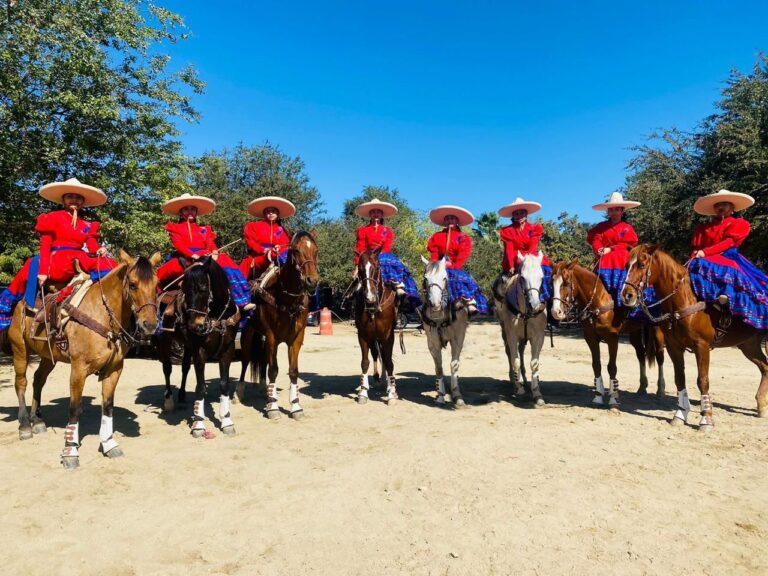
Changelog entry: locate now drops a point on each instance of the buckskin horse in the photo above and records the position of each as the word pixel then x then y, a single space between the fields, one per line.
pixel 281 317
pixel 579 292
pixel 690 325
pixel 94 340
pixel 375 319
pixel 206 325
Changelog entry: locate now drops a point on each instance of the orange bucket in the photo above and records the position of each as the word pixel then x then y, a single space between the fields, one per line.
pixel 326 326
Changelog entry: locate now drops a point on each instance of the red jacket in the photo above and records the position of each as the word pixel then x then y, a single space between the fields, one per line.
pixel 262 236
pixel 184 238
pixel 457 249
pixel 370 237
pixel 619 237
pixel 717 236
pixel 524 240
pixel 56 231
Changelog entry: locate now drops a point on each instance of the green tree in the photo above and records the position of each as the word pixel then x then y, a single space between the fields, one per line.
pixel 566 238
pixel 86 90
pixel 487 225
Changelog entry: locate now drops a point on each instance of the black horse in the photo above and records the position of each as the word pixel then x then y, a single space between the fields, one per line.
pixel 206 324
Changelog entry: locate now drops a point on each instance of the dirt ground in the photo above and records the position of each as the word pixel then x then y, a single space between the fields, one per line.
pixel 496 488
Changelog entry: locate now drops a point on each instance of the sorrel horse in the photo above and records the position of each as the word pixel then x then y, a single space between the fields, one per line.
pixel 690 325
pixel 281 317
pixel 206 325
pixel 443 324
pixel 96 338
pixel 579 292
pixel 375 319
pixel 527 322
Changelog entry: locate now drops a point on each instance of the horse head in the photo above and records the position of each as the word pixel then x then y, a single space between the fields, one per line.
pixel 435 284
pixel 140 289
pixel 303 256
pixel 530 281
pixel 369 273
pixel 198 294
pixel 563 289
pixel 640 273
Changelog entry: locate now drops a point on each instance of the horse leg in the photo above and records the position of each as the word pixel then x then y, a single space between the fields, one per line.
pixel 502 321
pixel 436 350
pixel 613 392
pixel 198 414
pixel 70 457
pixel 109 446
pixel 389 365
pixel 41 375
pixel 186 361
pixel 536 345
pixel 457 343
pixel 378 369
pixel 20 384
pixel 227 390
pixel 676 354
pixel 753 350
pixel 273 406
pixel 246 344
pixel 297 412
pixel 661 385
pixel 515 359
pixel 593 341
pixel 706 422
pixel 636 339
pixel 521 344
pixel 168 405
pixel 362 395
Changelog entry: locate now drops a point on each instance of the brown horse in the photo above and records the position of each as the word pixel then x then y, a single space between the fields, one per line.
pixel 690 325
pixel 95 341
pixel 375 319
pixel 579 291
pixel 281 317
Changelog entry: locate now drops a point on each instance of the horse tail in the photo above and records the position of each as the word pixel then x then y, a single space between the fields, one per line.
pixel 649 343
pixel 5 342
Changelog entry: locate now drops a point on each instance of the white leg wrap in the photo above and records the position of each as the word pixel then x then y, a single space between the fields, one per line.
pixel 599 391
pixel 613 399
pixel 455 390
pixel 199 415
pixel 225 411
pixel 106 434
pixel 391 388
pixel 364 387
pixel 440 388
pixel 293 397
pixel 683 405
pixel 71 440
pixel 272 398
pixel 706 404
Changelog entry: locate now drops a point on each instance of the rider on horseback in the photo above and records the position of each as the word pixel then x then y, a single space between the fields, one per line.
pixel 266 239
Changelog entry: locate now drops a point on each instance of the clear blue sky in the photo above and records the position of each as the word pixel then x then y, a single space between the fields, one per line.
pixel 469 103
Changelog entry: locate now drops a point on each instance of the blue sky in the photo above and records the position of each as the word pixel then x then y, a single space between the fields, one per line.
pixel 469 103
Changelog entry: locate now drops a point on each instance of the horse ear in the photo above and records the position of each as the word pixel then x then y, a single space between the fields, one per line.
pixel 519 255
pixel 313 233
pixel 574 262
pixel 125 257
pixel 357 254
pixel 426 262
pixel 156 258
pixel 651 248
pixel 378 250
pixel 540 258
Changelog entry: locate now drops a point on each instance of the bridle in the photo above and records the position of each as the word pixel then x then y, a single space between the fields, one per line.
pixel 645 283
pixel 375 284
pixel 219 324
pixel 446 314
pixel 114 324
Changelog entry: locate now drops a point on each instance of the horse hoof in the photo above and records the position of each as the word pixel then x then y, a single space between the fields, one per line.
pixel 297 415
pixel 168 405
pixel 273 414
pixel 762 413
pixel 706 428
pixel 614 409
pixel 539 402
pixel 676 421
pixel 25 433
pixel 362 399
pixel 391 400
pixel 460 403
pixel 116 452
pixel 70 462
pixel 228 430
pixel 39 428
pixel 198 432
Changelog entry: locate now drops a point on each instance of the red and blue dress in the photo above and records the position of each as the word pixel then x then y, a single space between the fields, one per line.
pixel 723 270
pixel 373 236
pixel 456 247
pixel 61 243
pixel 525 240
pixel 190 238
pixel 261 237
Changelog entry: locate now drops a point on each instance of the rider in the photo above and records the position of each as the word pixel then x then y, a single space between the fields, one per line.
pixel 611 241
pixel 376 235
pixel 192 241
pixel 266 239
pixel 63 235
pixel 521 238
pixel 456 247
pixel 719 273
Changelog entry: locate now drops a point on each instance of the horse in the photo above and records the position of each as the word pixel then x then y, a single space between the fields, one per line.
pixel 442 324
pixel 375 319
pixel 523 318
pixel 579 292
pixel 206 325
pixel 281 316
pixel 691 325
pixel 95 340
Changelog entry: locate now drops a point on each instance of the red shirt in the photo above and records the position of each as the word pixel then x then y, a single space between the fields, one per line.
pixel 56 231
pixel 716 236
pixel 185 237
pixel 370 237
pixel 457 249
pixel 619 237
pixel 524 240
pixel 262 235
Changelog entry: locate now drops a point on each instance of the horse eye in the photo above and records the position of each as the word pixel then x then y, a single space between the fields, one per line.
pixel 133 286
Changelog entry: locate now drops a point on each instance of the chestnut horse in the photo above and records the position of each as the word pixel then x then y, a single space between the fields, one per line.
pixel 690 325
pixel 375 319
pixel 579 291
pixel 97 337
pixel 281 317
pixel 206 325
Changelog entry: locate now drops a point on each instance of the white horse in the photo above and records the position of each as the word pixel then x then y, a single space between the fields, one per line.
pixel 522 322
pixel 443 324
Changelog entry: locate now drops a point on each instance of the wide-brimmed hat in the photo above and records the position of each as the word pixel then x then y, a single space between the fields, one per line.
pixel 285 207
pixel 616 201
pixel 204 205
pixel 365 208
pixel 519 204
pixel 437 215
pixel 56 190
pixel 706 204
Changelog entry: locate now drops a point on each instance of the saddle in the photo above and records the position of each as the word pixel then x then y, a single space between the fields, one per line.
pixel 51 311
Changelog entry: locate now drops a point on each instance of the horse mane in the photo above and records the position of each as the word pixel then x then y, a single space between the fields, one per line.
pixel 196 281
pixel 301 234
pixel 143 268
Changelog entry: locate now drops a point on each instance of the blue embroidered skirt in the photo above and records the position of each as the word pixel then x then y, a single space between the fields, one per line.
pixel 462 285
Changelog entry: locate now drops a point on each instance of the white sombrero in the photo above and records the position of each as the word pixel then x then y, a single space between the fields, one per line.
pixel 56 190
pixel 204 205
pixel 519 204
pixel 616 201
pixel 365 208
pixel 706 204
pixel 286 208
pixel 437 215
